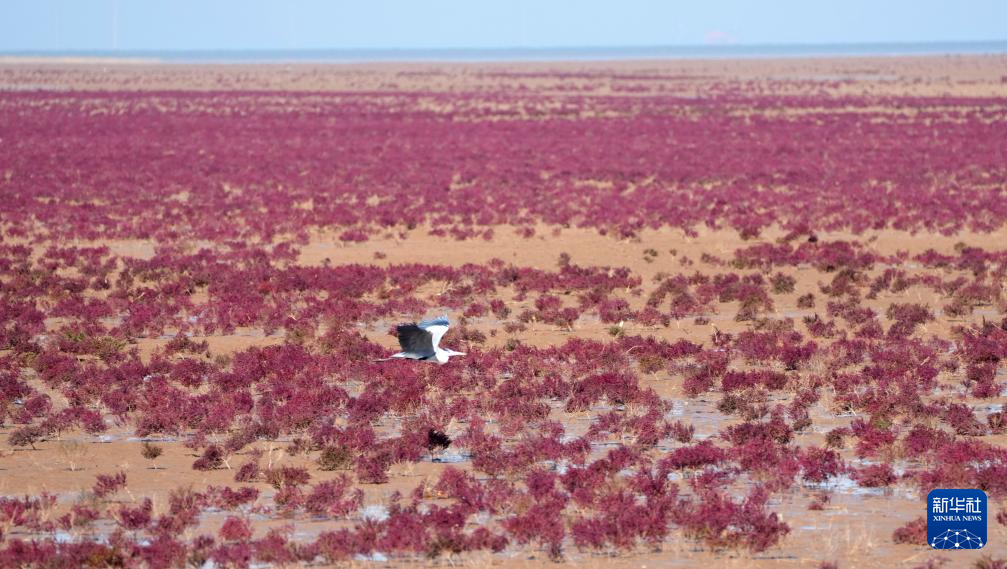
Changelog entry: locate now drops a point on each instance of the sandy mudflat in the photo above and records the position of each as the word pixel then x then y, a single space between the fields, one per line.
pixel 855 528
pixel 856 525
pixel 954 75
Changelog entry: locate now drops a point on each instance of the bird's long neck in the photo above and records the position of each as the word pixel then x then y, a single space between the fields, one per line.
pixel 441 356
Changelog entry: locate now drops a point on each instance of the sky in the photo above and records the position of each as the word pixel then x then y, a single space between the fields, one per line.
pixel 192 25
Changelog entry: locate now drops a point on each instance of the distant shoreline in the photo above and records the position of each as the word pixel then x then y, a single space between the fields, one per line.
pixel 510 54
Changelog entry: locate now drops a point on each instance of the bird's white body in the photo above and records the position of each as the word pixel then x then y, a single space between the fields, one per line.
pixel 442 355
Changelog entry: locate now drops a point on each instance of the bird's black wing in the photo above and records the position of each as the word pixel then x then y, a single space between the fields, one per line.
pixel 415 340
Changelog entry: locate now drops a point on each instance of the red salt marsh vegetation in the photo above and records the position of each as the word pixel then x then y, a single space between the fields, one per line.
pixel 741 313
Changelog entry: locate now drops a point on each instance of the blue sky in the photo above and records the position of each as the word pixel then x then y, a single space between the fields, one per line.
pixel 66 25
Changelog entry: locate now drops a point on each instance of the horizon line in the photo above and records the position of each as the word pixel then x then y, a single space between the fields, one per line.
pixel 571 52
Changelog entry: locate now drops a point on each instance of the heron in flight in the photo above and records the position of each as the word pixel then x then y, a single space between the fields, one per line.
pixel 420 341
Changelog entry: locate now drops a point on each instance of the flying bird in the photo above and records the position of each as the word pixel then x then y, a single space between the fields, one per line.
pixel 420 341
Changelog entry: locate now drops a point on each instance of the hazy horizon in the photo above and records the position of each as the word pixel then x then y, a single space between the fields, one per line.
pixel 518 54
pixel 65 26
